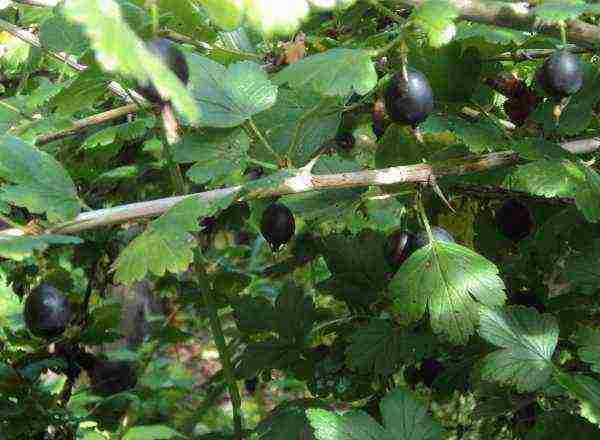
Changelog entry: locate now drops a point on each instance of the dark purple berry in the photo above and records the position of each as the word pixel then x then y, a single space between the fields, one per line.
pixel 422 239
pixel 250 385
pixel 409 102
pixel 112 377
pixel 47 312
pixel 430 370
pixel 400 245
pixel 561 75
pixel 514 220
pixel 277 225
pixel 173 58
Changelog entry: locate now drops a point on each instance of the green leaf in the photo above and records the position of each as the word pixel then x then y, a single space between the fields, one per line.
pixel 266 355
pixel 294 314
pixel 82 92
pixel 538 148
pixel 101 21
pixel 328 205
pixel 557 425
pixel 490 34
pixel 528 341
pixel 40 183
pixel 582 270
pixel 288 421
pixel 450 280
pixel 584 388
pixel 369 264
pixel 578 115
pixel 589 350
pixel 217 154
pixel 299 124
pixel 353 425
pixel 123 132
pixel 60 35
pixel 18 248
pixel 337 72
pixel 546 178
pixel 480 137
pixel 407 418
pixel 228 97
pixel 227 14
pixel 560 10
pixel 453 71
pixel 436 18
pixel 380 347
pixel 166 245
pixel 151 432
pixel 587 197
pixel 403 415
pixel 254 314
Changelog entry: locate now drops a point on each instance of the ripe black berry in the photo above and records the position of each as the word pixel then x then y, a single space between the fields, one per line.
pixel 250 385
pixel 514 220
pixel 277 225
pixel 47 312
pixel 561 74
pixel 173 58
pixel 409 102
pixel 112 377
pixel 400 245
pixel 430 370
pixel 422 239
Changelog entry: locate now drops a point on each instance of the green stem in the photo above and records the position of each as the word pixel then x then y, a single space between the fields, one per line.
pixel 10 222
pixel 155 17
pixel 563 33
pixel 175 172
pixel 217 331
pixel 251 126
pixel 384 10
pixel 377 53
pixel 266 165
pixel 424 218
pixel 16 110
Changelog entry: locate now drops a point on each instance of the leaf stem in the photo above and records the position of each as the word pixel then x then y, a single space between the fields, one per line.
pixel 251 126
pixel 377 53
pixel 267 165
pixel 169 137
pixel 217 331
pixel 384 10
pixel 423 214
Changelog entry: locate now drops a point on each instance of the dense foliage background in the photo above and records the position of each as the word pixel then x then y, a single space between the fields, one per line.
pixel 442 278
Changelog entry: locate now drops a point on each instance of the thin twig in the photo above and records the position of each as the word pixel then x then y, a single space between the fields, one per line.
pixel 518 16
pixel 69 60
pixel 494 192
pixel 85 123
pixel 297 184
pixel 40 3
pixel 251 126
pixel 384 10
pixel 530 54
pixel 224 354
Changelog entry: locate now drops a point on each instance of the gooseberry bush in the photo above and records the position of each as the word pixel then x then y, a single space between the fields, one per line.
pixel 391 204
